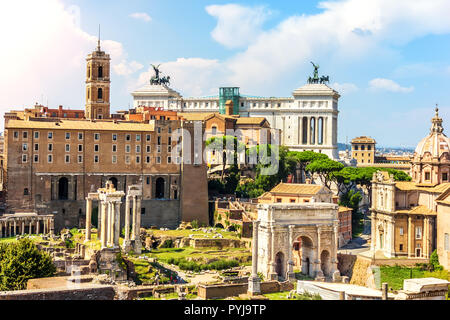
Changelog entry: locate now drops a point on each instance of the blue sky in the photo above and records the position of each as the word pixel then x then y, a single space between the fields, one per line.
pixel 388 59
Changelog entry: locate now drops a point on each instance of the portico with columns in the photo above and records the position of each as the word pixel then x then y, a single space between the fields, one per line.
pixel 297 235
pixel 109 222
pixel 22 223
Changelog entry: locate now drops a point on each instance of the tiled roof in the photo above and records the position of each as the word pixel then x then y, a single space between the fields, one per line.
pixel 418 210
pixel 344 209
pixel 296 188
pixel 250 120
pixel 80 125
pixel 410 186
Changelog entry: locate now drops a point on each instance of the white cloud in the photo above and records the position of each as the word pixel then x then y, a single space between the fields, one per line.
pixel 141 16
pixel 344 88
pixel 237 25
pixel 388 85
pixel 125 68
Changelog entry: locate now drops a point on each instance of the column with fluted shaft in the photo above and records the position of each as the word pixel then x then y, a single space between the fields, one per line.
pixel 88 219
pixel 104 221
pixel 254 281
pixel 290 265
pixel 126 241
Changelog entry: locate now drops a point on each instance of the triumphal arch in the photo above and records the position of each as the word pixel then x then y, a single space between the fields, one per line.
pixel 304 236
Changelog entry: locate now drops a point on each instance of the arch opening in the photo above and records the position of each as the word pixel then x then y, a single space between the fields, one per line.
pixel 63 189
pixel 303 255
pixel 159 190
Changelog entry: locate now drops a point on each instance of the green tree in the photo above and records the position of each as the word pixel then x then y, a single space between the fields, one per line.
pixel 21 261
pixel 230 147
pixel 325 168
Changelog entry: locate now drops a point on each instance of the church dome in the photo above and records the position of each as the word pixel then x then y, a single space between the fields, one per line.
pixel 436 143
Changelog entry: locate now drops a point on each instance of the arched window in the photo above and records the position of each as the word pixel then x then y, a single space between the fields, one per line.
pixel 214 130
pixel 305 130
pixel 100 72
pixel 320 130
pixel 100 94
pixel 159 190
pixel 114 182
pixel 313 131
pixel 63 189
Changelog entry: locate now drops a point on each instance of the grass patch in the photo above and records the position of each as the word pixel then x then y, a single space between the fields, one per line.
pixel 395 275
pixel 284 296
pixel 197 234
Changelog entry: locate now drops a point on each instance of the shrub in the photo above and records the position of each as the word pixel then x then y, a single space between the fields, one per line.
pixel 194 224
pixel 168 243
pixel 20 261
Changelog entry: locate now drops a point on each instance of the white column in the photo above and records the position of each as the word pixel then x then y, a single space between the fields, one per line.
pixel 272 275
pixel 45 226
pixel 117 224
pixel 15 228
pixel 290 265
pixel 127 218
pixel 104 225
pixel 111 224
pixel 319 251
pixel 88 219
pixel 133 228
pixel 31 226
pixel 37 226
pixel 255 249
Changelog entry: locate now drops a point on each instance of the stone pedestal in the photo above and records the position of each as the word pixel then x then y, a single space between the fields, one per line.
pixel 254 285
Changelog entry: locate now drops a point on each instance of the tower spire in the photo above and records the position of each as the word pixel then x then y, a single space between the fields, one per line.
pixel 436 122
pixel 98 43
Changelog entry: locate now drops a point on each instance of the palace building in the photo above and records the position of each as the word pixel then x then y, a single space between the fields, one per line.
pixel 307 121
pixel 51 163
pixel 412 219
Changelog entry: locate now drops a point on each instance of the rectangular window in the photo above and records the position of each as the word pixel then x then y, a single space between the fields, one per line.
pixel 445 176
pixel 114 137
pixel 170 130
pixel 292 200
pixel 24 146
pixel 138 137
pixel 169 148
pixel 158 149
pixel 158 160
pixel 148 149
pixel 80 159
pixel 36 158
pixel 418 232
pixel 24 158
pixel 16 135
pixel 67 158
pixel 169 160
pixel 96 159
pixel 50 147
pixel 80 136
pixel 148 137
pixel 142 210
pixel 148 180
pixel 80 148
pixel 67 135
pixel 401 247
pixel 159 140
pixel 147 159
pixel 279 200
pixel 96 136
pixel 127 159
pixel 50 135
pixel 158 129
pixel 427 176
pixel 67 147
pixel 138 159
pixel 169 141
pixel 138 149
pixel 401 231
pixel 114 159
pixel 36 134
pixel 25 134
pixel 127 148
pixel 49 158
pixel 96 147
pixel 36 147
pixel 114 148
pixel 128 137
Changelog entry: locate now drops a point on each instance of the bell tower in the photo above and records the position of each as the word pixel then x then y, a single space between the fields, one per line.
pixel 98 84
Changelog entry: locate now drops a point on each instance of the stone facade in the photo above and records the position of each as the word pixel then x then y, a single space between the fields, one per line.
pixel 305 235
pixel 308 120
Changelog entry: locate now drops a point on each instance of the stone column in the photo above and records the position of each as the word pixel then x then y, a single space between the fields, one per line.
pixel 133 228
pixel 319 272
pixel 410 237
pixel 391 233
pixel 15 228
pixel 373 240
pixel 126 241
pixel 290 265
pixel 116 224
pixel 88 219
pixel 45 226
pixel 137 241
pixel 1 229
pixel 272 274
pixel 31 226
pixel 111 224
pixel 334 258
pixel 426 237
pixel 104 226
pixel 37 226
pixel 254 281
